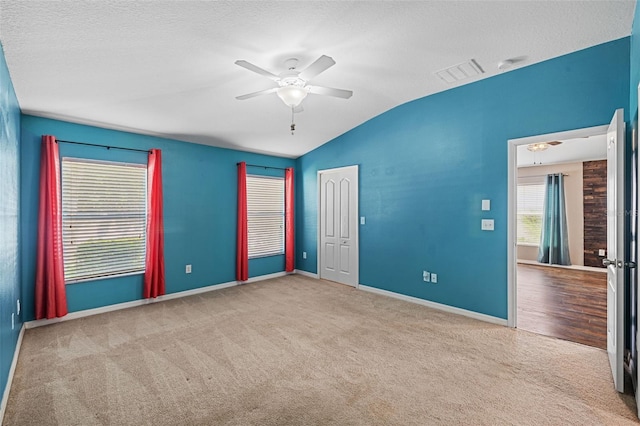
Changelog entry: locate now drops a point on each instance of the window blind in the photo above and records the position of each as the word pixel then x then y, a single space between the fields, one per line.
pixel 265 215
pixel 103 218
pixel 530 206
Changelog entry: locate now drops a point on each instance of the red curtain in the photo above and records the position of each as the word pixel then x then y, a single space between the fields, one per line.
pixel 289 233
pixel 154 279
pixel 50 294
pixel 242 245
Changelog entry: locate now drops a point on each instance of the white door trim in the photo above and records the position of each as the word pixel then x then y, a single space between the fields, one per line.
pixel 512 177
pixel 357 213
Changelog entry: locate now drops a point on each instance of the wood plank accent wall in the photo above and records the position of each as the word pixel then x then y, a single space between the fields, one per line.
pixel 594 182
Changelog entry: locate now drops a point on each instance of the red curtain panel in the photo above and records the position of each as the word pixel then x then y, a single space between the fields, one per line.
pixel 242 245
pixel 289 233
pixel 50 292
pixel 154 279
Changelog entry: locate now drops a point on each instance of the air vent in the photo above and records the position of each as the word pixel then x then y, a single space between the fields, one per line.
pixel 460 72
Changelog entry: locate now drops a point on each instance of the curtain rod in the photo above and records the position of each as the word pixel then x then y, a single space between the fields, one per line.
pixel 530 176
pixel 103 146
pixel 264 167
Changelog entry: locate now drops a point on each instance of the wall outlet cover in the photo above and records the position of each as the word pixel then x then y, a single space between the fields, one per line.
pixel 487 225
pixel 434 278
pixel 304 254
pixel 187 269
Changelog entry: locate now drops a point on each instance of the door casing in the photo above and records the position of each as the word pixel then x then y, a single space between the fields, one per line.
pixel 512 179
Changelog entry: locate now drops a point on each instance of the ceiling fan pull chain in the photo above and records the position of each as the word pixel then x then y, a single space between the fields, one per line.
pixel 293 125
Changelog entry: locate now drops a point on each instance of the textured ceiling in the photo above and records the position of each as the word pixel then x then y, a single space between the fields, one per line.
pixel 167 67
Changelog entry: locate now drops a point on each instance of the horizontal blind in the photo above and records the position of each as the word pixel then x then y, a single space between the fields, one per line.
pixel 103 218
pixel 265 215
pixel 530 204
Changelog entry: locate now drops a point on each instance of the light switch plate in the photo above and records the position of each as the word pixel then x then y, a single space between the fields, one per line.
pixel 486 205
pixel 361 220
pixel 187 269
pixel 487 224
pixel 602 252
pixel 304 254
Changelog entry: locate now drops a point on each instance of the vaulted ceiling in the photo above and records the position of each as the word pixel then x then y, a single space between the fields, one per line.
pixel 167 67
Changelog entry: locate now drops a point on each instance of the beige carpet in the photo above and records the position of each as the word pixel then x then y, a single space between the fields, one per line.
pixel 297 351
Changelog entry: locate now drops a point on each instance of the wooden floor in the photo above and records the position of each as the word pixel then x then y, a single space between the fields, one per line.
pixel 564 303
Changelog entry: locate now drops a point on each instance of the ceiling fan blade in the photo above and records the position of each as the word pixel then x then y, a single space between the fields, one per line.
pixel 254 94
pixel 321 64
pixel 257 69
pixel 554 143
pixel 338 93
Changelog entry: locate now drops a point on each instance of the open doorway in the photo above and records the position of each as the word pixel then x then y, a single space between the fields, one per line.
pixel 564 298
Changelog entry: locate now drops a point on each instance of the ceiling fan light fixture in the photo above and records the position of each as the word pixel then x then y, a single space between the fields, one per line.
pixel 536 147
pixel 292 95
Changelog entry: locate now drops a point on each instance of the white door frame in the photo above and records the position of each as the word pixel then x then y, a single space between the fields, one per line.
pixel 512 178
pixel 357 230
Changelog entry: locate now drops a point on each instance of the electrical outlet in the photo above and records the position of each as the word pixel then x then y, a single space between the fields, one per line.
pixel 187 269
pixel 426 276
pixel 487 225
pixel 304 254
pixel 18 306
pixel 434 278
pixel 13 320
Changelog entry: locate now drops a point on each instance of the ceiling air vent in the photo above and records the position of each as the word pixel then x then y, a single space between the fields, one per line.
pixel 460 72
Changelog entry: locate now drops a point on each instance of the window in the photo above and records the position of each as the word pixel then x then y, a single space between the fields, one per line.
pixel 530 206
pixel 103 218
pixel 265 215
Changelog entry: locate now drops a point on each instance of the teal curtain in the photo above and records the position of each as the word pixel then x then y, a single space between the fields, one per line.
pixel 554 238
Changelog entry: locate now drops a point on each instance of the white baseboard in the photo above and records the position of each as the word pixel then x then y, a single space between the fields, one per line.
pixel 306 274
pixel 434 305
pixel 141 302
pixel 265 277
pixel 12 370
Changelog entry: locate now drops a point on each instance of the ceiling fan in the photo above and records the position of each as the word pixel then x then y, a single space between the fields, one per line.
pixel 292 85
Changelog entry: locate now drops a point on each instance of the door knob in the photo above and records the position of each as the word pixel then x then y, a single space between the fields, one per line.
pixel 607 262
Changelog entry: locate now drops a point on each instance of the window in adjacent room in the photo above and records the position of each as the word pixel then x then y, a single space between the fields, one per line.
pixel 103 218
pixel 530 206
pixel 265 215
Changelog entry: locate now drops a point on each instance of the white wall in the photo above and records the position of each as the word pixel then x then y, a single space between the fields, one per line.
pixel 575 212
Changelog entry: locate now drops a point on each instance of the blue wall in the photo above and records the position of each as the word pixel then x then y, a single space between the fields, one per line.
pixel 426 165
pixel 9 223
pixel 199 210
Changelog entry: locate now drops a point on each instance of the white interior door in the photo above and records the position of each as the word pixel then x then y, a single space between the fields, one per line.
pixel 338 251
pixel 615 260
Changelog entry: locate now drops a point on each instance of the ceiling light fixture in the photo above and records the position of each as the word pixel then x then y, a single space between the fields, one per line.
pixel 292 95
pixel 537 147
